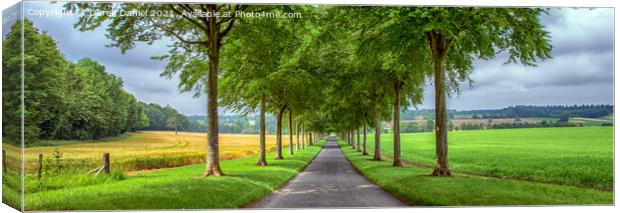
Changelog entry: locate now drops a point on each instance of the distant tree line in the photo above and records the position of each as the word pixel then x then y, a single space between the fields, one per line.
pixel 163 118
pixel 233 124
pixel 166 118
pixel 542 124
pixel 413 127
pixel 554 111
pixel 520 111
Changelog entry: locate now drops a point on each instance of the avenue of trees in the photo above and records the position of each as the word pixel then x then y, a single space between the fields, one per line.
pixel 343 69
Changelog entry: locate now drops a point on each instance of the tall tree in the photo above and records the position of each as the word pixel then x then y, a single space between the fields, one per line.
pixel 456 36
pixel 365 147
pixel 262 155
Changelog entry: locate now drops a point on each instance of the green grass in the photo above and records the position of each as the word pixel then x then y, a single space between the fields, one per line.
pixel 11 185
pixel 179 188
pixel 69 180
pixel 580 156
pixel 414 186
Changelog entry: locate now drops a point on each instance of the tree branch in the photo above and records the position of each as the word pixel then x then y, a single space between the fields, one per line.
pixel 179 37
pixel 188 18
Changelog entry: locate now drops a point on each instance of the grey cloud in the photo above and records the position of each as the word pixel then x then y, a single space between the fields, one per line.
pixel 580 30
pixel 563 70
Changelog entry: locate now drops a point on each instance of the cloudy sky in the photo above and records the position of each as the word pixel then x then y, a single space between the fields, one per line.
pixel 581 71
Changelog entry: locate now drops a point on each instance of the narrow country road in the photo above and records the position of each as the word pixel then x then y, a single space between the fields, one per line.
pixel 329 181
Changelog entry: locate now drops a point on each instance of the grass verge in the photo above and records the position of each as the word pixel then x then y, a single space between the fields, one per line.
pixel 576 156
pixel 180 188
pixel 414 186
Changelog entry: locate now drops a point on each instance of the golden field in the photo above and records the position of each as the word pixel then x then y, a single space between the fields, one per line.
pixel 143 150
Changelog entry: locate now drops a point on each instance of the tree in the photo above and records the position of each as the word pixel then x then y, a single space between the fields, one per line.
pixel 262 155
pixel 290 132
pixel 43 66
pixel 197 41
pixel 144 120
pixel 174 121
pixel 455 36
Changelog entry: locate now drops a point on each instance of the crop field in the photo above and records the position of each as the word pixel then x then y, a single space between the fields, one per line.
pixel 575 156
pixel 138 151
pixel 592 121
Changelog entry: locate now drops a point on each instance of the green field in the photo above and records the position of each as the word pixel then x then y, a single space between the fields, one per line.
pixel 580 156
pixel 415 186
pixel 175 188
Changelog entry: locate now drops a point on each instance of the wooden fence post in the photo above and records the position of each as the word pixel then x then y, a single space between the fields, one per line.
pixel 106 162
pixel 40 168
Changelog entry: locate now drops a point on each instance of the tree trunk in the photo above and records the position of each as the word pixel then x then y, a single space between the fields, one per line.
pixel 279 134
pixel 350 138
pixel 213 162
pixel 262 154
pixel 396 126
pixel 303 136
pixel 377 135
pixel 311 138
pixel 439 48
pixel 353 138
pixel 290 131
pixel 365 149
pixel 359 149
pixel 297 135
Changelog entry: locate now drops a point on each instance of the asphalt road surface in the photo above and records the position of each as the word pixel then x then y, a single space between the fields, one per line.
pixel 329 181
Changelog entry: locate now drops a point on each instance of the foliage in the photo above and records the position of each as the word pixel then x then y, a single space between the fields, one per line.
pixel 164 118
pixel 65 100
